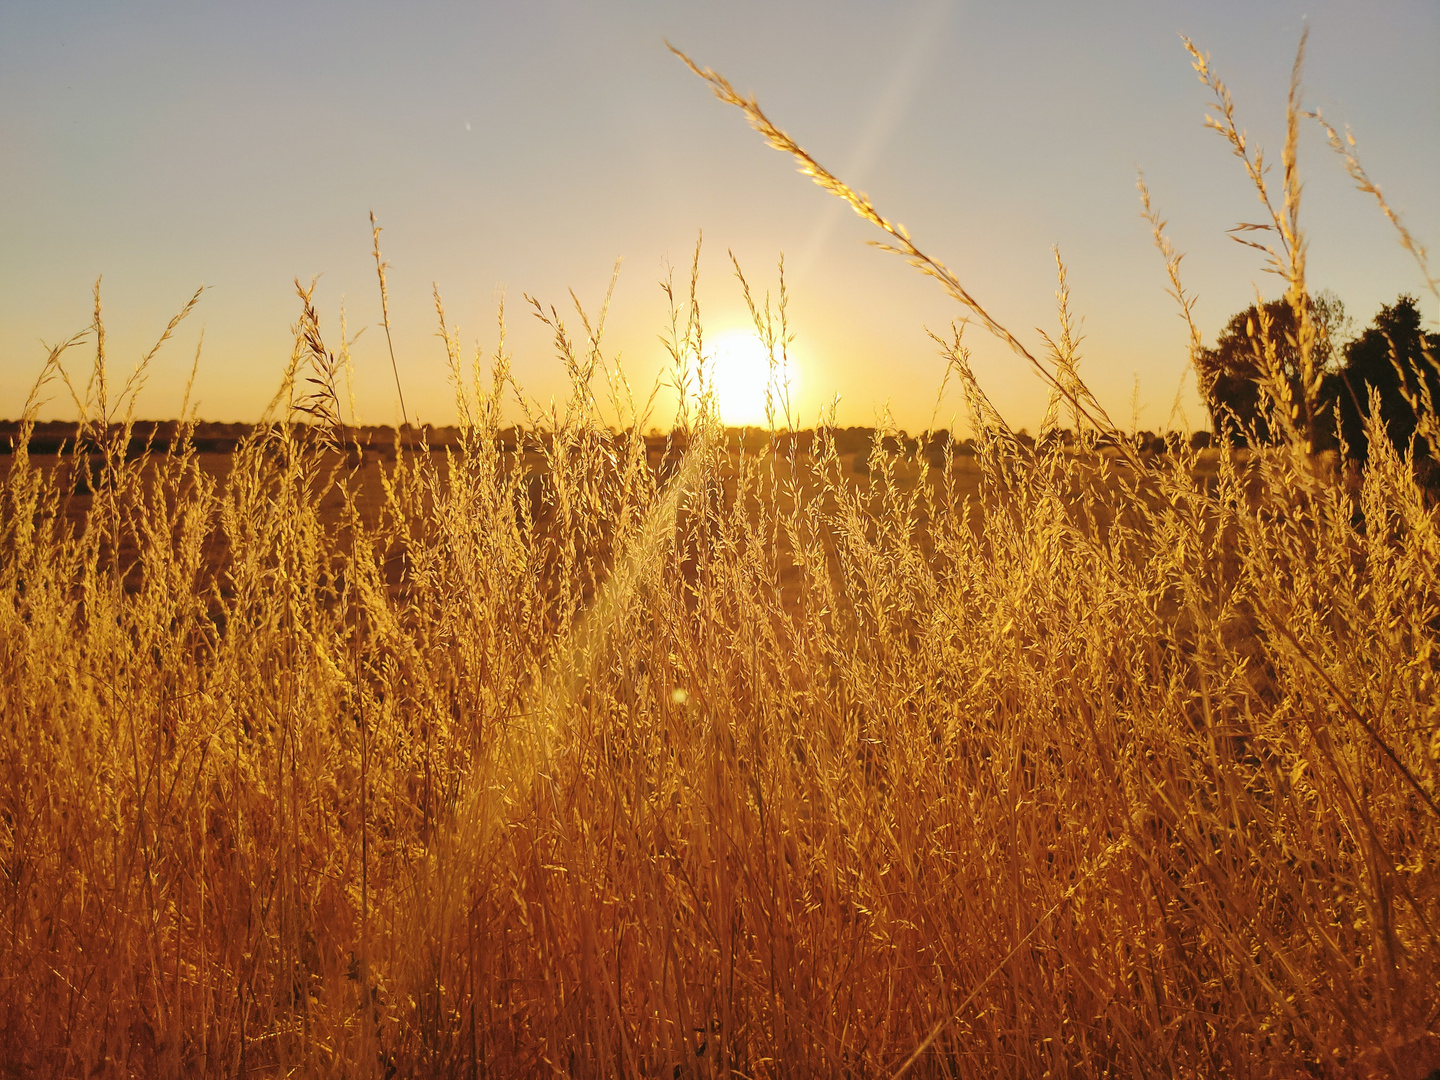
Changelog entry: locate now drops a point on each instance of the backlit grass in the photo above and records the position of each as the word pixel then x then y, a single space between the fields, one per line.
pixel 571 757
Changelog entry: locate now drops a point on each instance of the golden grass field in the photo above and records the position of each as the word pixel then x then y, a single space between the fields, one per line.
pixel 578 757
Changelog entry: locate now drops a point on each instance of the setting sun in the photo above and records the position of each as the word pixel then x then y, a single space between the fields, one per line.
pixel 739 370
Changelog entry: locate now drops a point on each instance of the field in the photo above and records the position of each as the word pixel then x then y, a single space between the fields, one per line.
pixel 576 752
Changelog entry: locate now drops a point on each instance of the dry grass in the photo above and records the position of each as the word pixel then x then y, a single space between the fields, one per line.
pixel 720 765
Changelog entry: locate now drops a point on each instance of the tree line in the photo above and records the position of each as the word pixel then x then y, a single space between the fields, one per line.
pixel 1256 372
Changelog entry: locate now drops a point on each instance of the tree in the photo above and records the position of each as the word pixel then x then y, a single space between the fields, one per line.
pixel 1233 372
pixel 1390 357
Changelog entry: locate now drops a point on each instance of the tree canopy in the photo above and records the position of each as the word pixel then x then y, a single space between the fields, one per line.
pixel 1393 358
pixel 1389 358
pixel 1233 372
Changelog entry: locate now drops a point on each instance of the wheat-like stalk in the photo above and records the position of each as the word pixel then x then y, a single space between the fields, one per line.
pixel 900 243
pixel 1346 148
pixel 380 267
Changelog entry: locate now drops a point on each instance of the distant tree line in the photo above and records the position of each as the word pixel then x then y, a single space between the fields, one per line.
pixel 1393 366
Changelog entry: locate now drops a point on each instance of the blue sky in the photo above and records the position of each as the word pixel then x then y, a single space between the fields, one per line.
pixel 523 148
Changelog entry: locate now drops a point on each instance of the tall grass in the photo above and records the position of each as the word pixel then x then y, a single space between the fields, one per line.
pixel 571 757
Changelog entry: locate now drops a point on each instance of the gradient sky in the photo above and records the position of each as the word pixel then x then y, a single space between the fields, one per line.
pixel 523 148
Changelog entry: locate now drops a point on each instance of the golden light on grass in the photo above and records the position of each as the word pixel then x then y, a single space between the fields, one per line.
pixel 572 751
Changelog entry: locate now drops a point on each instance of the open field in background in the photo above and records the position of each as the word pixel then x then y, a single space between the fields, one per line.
pixel 595 755
pixel 802 460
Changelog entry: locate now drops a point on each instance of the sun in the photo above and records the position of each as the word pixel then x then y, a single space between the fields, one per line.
pixel 738 370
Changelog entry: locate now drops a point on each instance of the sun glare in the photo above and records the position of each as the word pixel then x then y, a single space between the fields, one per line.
pixel 738 367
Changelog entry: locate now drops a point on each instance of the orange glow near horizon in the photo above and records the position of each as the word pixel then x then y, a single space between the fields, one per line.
pixel 746 381
pixel 519 149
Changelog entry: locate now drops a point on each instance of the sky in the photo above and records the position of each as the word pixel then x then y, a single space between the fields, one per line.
pixel 519 150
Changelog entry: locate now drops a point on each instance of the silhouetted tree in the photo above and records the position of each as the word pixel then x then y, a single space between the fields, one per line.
pixel 1390 357
pixel 1231 372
